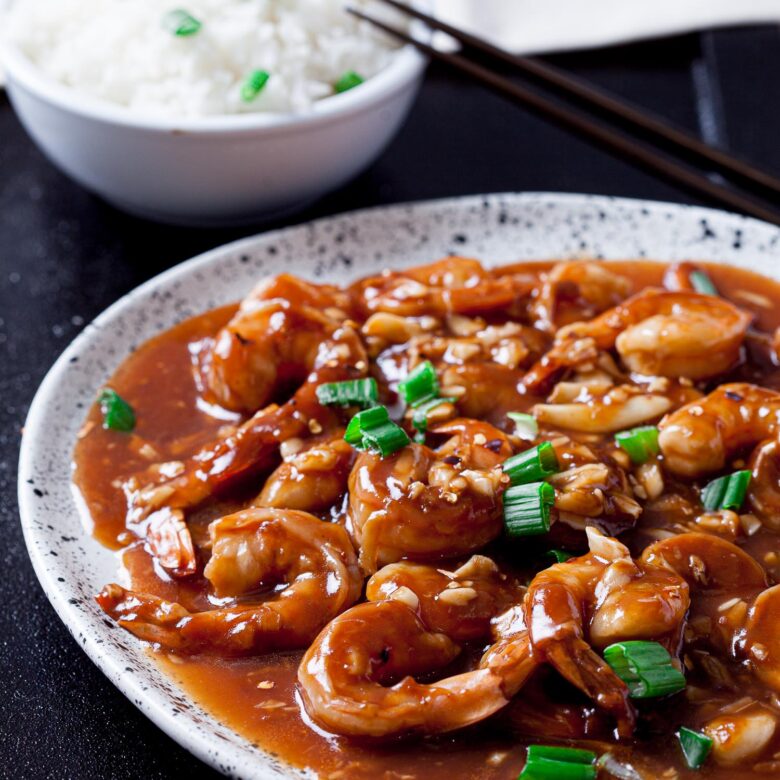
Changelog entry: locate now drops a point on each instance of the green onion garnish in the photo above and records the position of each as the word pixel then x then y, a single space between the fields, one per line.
pixel 726 492
pixel 253 85
pixel 373 430
pixel 348 80
pixel 118 415
pixel 420 385
pixel 645 667
pixel 695 746
pixel 640 443
pixel 558 763
pixel 532 465
pixel 526 426
pixel 527 509
pixel 420 414
pixel 701 282
pixel 560 555
pixel 353 392
pixel 181 23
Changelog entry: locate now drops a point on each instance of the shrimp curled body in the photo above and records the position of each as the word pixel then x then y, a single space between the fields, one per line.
pixel 597 599
pixel 703 435
pixel 425 504
pixel 358 677
pixel 253 549
pixel 272 342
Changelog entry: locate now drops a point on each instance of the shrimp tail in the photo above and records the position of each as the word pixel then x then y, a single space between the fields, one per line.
pixel 583 668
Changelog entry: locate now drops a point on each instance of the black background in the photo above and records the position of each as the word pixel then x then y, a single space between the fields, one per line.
pixel 65 256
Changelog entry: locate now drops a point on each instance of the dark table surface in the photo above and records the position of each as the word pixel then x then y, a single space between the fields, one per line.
pixel 65 256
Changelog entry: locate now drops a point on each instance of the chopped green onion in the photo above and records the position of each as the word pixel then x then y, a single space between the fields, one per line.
pixel 353 392
pixel 370 418
pixel 420 414
pixel 181 23
pixel 420 385
pixel 560 555
pixel 532 465
pixel 556 763
pixel 373 430
pixel 640 443
pixel 645 667
pixel 348 80
pixel 527 509
pixel 695 746
pixel 526 426
pixel 118 415
pixel 726 492
pixel 253 85
pixel 701 282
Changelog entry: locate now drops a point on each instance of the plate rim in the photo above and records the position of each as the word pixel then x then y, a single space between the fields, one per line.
pixel 218 754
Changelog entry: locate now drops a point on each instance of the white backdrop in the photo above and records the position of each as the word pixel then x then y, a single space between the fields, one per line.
pixel 530 26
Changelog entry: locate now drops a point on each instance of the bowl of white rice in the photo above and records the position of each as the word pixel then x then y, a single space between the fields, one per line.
pixel 207 111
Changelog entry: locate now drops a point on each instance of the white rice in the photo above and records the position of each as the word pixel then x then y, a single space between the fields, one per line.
pixel 120 51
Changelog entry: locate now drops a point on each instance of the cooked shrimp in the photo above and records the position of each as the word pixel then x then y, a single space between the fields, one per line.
pixel 170 542
pixel 662 333
pixel 601 598
pixel 312 479
pixel 452 285
pixel 715 570
pixel 760 643
pixel 677 277
pixel 656 333
pixel 576 290
pixel 426 504
pixel 460 603
pixel 255 548
pixel 285 329
pixel 250 450
pixel 702 436
pixel 763 493
pixel 720 573
pixel 358 676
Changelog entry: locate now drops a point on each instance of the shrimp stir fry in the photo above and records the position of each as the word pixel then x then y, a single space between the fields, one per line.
pixel 461 493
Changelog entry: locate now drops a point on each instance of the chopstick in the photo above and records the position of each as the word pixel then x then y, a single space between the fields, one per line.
pixel 651 127
pixel 614 141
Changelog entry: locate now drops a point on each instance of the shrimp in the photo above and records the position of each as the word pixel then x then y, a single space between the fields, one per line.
pixel 460 603
pixel 579 289
pixel 677 277
pixel 714 567
pixel 255 548
pixel 358 676
pixel 169 540
pixel 597 599
pixel 453 285
pixel 703 435
pixel 249 450
pixel 656 333
pixel 763 493
pixel 723 575
pixel 283 330
pixel 426 504
pixel 312 479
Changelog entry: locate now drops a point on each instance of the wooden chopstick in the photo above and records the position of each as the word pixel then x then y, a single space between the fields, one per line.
pixel 662 133
pixel 625 147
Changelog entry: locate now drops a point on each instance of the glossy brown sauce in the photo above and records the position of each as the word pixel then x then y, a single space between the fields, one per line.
pixel 256 696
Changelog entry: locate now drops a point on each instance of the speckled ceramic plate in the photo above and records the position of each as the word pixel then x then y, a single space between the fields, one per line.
pixel 71 566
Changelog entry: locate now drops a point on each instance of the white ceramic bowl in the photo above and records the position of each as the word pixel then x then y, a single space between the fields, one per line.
pixel 213 170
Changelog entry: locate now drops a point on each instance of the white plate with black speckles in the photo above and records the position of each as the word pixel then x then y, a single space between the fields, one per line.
pixel 498 229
